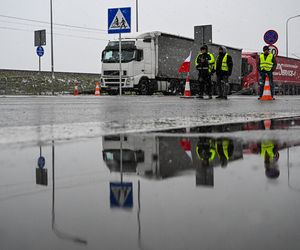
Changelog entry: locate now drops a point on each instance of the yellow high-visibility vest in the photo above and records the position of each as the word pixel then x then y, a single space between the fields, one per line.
pixel 212 151
pixel 267 147
pixel 211 62
pixel 224 63
pixel 266 64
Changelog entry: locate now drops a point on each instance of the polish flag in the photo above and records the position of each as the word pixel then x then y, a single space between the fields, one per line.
pixel 186 146
pixel 185 66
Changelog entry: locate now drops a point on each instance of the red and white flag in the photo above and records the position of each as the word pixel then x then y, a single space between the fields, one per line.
pixel 185 66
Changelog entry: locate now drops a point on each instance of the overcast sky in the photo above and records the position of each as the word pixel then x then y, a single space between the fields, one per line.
pixel 237 23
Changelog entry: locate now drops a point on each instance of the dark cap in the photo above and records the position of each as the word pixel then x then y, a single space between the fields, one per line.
pixel 272 173
pixel 266 48
pixel 204 47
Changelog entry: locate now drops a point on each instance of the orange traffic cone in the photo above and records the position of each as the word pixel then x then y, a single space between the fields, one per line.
pixel 267 91
pixel 97 90
pixel 187 89
pixel 76 89
pixel 267 124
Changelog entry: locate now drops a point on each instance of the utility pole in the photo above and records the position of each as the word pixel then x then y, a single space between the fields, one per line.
pixel 52 59
pixel 287 35
pixel 137 15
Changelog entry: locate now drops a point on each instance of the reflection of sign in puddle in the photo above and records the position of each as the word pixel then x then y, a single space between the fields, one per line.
pixel 121 194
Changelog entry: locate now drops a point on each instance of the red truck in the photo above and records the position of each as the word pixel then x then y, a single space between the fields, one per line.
pixel 286 76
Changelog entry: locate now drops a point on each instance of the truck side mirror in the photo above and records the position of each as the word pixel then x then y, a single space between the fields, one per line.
pixel 250 68
pixel 147 40
pixel 140 157
pixel 139 55
pixel 102 56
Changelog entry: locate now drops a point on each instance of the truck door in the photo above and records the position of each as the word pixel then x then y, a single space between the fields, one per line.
pixel 148 58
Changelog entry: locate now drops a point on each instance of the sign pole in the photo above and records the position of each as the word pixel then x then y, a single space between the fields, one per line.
pixel 39 64
pixel 121 158
pixel 52 59
pixel 120 63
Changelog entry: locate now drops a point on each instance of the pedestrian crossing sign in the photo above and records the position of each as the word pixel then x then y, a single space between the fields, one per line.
pixel 119 20
pixel 121 194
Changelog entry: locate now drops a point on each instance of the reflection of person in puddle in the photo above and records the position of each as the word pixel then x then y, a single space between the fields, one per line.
pixel 224 148
pixel 206 151
pixel 269 152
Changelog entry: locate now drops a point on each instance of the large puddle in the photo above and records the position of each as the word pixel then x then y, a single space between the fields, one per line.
pixel 232 186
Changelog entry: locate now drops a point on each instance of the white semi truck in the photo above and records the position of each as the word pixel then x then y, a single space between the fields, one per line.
pixel 150 62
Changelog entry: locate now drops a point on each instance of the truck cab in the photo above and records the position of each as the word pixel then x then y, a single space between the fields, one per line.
pixel 249 72
pixel 137 65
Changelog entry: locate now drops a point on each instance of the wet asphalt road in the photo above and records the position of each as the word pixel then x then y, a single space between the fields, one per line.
pixel 173 189
pixel 26 119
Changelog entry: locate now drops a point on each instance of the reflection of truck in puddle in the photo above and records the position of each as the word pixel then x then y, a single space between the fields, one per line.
pixel 155 156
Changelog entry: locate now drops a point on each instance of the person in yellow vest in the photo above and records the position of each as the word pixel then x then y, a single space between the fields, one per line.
pixel 269 152
pixel 223 68
pixel 204 63
pixel 206 151
pixel 224 148
pixel 266 65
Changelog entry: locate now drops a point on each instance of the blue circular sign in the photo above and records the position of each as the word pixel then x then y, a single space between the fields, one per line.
pixel 40 51
pixel 271 37
pixel 41 162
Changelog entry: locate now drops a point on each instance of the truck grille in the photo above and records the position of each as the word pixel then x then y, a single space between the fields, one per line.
pixel 115 80
pixel 113 72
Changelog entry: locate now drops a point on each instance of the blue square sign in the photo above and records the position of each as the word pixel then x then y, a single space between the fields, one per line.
pixel 121 194
pixel 119 20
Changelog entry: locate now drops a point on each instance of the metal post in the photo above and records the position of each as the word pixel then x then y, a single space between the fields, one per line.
pixel 137 15
pixel 120 63
pixel 52 59
pixel 53 186
pixel 287 35
pixel 39 64
pixel 121 158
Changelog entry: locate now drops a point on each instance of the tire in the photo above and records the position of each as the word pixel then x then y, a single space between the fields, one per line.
pixel 174 87
pixel 144 87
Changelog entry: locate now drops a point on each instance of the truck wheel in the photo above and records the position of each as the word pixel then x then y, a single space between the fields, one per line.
pixel 144 87
pixel 174 87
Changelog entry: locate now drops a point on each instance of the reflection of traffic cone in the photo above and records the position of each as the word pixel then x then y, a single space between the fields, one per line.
pixel 186 146
pixel 97 90
pixel 267 123
pixel 187 89
pixel 267 91
pixel 76 89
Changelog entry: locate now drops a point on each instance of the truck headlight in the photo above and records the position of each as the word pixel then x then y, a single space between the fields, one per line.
pixel 129 80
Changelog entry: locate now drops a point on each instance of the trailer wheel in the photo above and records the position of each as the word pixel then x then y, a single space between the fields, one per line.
pixel 174 87
pixel 144 88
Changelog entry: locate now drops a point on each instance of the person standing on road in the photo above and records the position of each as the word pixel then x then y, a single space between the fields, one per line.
pixel 223 68
pixel 266 65
pixel 204 63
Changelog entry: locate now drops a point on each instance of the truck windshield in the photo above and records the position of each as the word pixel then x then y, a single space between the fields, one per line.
pixel 112 56
pixel 114 155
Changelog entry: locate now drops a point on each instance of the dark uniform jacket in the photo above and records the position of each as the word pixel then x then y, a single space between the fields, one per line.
pixel 218 69
pixel 202 64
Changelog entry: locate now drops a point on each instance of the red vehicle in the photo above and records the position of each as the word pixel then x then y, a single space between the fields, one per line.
pixel 286 76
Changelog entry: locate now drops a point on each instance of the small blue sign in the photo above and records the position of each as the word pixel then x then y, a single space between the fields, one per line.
pixel 40 51
pixel 271 37
pixel 121 194
pixel 119 20
pixel 41 162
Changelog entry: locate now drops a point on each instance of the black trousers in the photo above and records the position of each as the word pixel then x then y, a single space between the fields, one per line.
pixel 223 85
pixel 205 85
